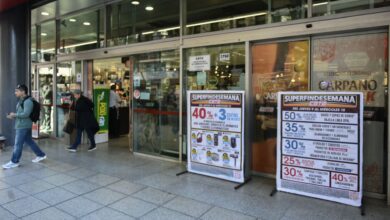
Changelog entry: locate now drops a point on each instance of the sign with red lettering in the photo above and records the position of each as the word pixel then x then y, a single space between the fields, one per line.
pixel 319 148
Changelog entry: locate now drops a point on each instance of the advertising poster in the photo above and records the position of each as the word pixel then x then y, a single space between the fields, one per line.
pixel 216 135
pixel 101 98
pixel 319 146
pixel 199 63
pixel 35 126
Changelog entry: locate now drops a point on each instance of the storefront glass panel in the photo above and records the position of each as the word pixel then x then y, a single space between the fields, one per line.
pixel 69 6
pixel 82 32
pixel 45 91
pixel 156 103
pixel 33 48
pixel 69 78
pixel 359 63
pixel 128 22
pixel 275 67
pixel 222 68
pixel 326 7
pixel 207 16
pixel 45 37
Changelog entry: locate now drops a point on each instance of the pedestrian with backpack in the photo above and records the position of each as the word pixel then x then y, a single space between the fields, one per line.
pixel 27 111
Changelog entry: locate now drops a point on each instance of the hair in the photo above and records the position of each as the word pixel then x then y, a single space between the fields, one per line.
pixel 22 88
pixel 113 87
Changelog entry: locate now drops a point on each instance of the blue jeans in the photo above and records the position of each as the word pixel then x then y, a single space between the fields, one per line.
pixel 91 137
pixel 24 136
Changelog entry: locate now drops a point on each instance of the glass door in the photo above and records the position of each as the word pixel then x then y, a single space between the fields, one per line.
pixel 156 88
pixel 281 66
pixel 359 63
pixel 43 92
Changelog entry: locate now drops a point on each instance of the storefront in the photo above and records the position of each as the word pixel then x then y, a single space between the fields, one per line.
pixel 322 47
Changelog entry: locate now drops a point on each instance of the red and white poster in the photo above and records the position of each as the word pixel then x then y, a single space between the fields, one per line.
pixel 320 145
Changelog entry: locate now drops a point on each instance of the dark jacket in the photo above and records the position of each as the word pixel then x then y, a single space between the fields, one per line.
pixel 85 118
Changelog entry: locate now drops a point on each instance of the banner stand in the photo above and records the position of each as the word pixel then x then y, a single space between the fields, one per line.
pixel 320 146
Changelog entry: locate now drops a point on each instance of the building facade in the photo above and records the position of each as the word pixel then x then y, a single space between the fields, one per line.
pixel 147 49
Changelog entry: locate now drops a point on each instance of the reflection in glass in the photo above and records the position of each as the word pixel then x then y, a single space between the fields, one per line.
pixel 45 41
pixel 326 7
pixel 33 47
pixel 45 86
pixel 276 67
pixel 207 16
pixel 359 63
pixel 156 103
pixel 68 79
pixel 129 23
pixel 82 32
pixel 43 13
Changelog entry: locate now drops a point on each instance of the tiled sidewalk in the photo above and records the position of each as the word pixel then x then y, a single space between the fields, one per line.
pixel 110 183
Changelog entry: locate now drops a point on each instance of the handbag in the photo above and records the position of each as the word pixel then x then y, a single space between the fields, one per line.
pixel 69 127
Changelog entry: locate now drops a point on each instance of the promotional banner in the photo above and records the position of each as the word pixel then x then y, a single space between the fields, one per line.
pixel 35 126
pixel 319 146
pixel 215 134
pixel 101 98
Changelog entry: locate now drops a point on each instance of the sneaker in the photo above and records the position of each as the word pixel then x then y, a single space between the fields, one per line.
pixel 92 148
pixel 10 165
pixel 71 149
pixel 39 159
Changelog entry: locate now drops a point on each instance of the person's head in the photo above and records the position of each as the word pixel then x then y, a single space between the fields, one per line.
pixel 113 87
pixel 77 93
pixel 21 90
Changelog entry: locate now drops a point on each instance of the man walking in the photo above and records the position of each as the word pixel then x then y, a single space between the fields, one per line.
pixel 85 120
pixel 23 127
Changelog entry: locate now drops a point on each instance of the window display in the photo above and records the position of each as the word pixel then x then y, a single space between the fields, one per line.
pixel 359 63
pixel 45 87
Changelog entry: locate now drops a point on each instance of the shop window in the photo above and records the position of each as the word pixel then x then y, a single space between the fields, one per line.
pixel 275 67
pixel 324 7
pixel 139 21
pixel 207 16
pixel 359 63
pixel 81 32
pixel 43 13
pixel 156 90
pixel 33 47
pixel 66 6
pixel 69 78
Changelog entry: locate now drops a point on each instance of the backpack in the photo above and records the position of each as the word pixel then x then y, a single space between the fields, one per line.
pixel 34 116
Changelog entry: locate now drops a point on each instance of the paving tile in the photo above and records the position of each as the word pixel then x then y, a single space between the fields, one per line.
pixel 19 179
pixel 60 179
pixel 81 173
pixel 102 179
pixel 133 207
pixel 43 173
pixel 217 213
pixel 158 181
pixel 25 206
pixel 4 185
pixel 35 187
pixel 63 167
pixel 5 214
pixel 11 194
pixel 126 187
pixel 55 196
pixel 165 214
pixel 107 213
pixel 104 196
pixel 188 206
pixel 78 206
pixel 80 187
pixel 155 196
pixel 49 214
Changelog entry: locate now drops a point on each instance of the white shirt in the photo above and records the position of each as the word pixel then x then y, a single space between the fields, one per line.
pixel 114 99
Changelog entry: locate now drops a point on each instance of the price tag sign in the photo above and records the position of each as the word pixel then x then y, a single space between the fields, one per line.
pixel 320 139
pixel 215 134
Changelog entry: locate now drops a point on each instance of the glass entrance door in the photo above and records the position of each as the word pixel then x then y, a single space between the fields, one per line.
pixel 156 90
pixel 276 67
pixel 43 90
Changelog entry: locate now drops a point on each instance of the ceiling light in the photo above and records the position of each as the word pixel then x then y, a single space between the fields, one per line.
pixel 43 34
pixel 149 8
pixel 319 4
pixel 72 20
pixel 135 2
pixel 86 23
pixel 44 13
